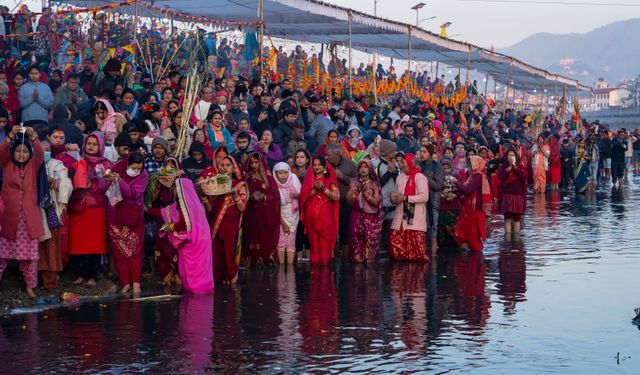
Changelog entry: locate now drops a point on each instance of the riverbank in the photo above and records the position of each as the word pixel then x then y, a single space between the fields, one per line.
pixel 14 298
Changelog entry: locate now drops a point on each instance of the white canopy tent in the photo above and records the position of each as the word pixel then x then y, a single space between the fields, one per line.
pixel 317 22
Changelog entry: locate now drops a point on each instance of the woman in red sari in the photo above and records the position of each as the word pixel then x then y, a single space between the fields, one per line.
pixel 470 228
pixel 225 214
pixel 261 224
pixel 319 201
pixel 88 210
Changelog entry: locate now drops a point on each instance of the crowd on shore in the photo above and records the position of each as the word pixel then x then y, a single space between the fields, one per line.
pixel 102 175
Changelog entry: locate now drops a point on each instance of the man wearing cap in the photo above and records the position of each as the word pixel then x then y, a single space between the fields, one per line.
pixel 387 172
pixel 123 145
pixel 159 151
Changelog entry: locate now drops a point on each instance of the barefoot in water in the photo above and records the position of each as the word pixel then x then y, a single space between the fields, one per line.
pixel 30 293
pixel 136 289
pixel 234 279
pixel 78 281
pixel 91 282
pixel 125 289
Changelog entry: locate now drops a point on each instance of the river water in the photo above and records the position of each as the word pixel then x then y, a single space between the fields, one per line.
pixel 560 301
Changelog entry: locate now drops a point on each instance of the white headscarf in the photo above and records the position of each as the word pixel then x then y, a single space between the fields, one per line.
pixel 292 185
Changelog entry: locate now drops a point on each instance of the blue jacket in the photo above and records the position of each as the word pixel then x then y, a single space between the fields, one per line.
pixel 228 139
pixel 35 109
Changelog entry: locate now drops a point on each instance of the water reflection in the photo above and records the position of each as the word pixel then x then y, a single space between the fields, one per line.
pixel 464 309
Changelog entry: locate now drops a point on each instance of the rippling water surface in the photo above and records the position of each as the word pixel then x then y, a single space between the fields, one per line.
pixel 559 301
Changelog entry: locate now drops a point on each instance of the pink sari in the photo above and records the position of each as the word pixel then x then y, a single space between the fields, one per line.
pixel 193 244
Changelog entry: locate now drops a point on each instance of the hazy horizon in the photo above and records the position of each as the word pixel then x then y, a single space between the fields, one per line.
pixel 482 22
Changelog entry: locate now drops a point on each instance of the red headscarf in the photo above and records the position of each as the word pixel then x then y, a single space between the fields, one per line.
pixel 410 188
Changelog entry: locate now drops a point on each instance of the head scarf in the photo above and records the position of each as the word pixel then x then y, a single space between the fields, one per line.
pixel 263 170
pixel 305 193
pixel 292 185
pixel 21 139
pixel 478 165
pixel 94 159
pixel 411 188
pixel 237 173
pixel 108 125
pixel 326 138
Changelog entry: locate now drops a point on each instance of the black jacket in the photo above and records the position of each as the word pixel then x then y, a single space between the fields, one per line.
pixel 192 168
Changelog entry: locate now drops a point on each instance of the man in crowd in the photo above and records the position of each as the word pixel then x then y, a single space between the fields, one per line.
pixel 159 151
pixel 345 170
pixel 71 94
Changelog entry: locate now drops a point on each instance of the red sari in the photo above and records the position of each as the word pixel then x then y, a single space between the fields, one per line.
pixel 470 227
pixel 225 215
pixel 261 224
pixel 320 215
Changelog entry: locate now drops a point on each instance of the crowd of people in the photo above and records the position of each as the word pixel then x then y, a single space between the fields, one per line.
pixel 103 175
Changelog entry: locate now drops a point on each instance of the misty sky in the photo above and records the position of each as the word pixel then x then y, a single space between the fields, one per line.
pixel 501 24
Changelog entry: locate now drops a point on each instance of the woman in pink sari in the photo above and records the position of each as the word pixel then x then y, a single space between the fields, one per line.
pixel 188 231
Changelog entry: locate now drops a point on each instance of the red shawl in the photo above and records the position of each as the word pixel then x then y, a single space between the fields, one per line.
pixel 410 188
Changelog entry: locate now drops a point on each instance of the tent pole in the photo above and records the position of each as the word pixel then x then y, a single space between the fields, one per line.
pixel 486 84
pixel 350 86
pixel 375 81
pixel 564 102
pixel 495 91
pixel 261 44
pixel 410 83
pixel 135 32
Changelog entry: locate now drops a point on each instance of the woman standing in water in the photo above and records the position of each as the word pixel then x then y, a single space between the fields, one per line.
pixel 513 193
pixel 539 165
pixel 319 201
pixel 470 228
pixel 21 157
pixel 289 188
pixel 225 215
pixel 187 229
pixel 407 241
pixel 365 198
pixel 261 224
pixel 301 164
pixel 581 171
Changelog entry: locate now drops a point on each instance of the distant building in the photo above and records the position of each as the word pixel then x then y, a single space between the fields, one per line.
pixel 601 84
pixel 611 97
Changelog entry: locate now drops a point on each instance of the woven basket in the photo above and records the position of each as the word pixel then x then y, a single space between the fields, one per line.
pixel 210 186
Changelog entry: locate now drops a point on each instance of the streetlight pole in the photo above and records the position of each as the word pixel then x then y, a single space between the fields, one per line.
pixel 417 8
